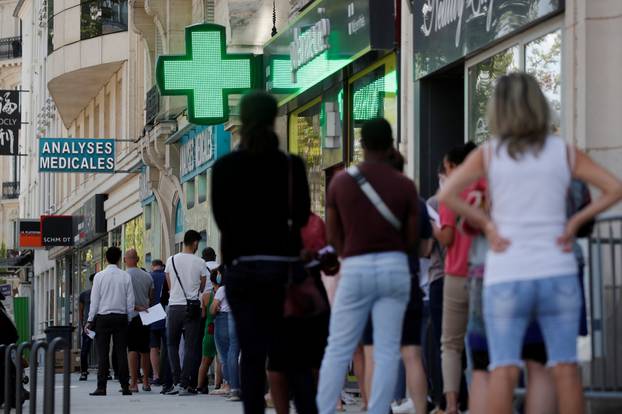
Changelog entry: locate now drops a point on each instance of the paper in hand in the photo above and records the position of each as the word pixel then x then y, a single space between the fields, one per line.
pixel 90 334
pixel 153 314
pixel 434 215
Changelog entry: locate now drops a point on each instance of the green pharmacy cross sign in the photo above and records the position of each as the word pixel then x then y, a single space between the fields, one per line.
pixel 206 74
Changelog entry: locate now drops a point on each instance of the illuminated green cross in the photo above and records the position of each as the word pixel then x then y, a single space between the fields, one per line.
pixel 205 74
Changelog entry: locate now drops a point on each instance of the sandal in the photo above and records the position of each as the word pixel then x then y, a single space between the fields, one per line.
pixel 146 388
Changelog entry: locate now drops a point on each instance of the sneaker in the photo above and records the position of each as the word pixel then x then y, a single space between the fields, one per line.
pixel 84 376
pixel 166 389
pixel 220 391
pixel 126 391
pixel 234 396
pixel 406 407
pixel 203 390
pixel 176 389
pixel 98 392
pixel 347 398
pixel 187 391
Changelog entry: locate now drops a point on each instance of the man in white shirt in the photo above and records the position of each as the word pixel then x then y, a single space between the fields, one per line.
pixel 112 300
pixel 185 275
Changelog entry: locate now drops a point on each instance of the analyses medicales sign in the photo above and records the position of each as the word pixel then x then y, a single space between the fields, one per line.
pixel 68 155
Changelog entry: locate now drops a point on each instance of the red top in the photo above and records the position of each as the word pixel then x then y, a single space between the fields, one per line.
pixel 457 257
pixel 365 230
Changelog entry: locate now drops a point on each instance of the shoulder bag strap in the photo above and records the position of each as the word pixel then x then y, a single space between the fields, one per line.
pixel 178 279
pixel 374 197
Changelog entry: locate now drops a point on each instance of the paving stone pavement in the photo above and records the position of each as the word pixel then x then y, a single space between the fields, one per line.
pixel 140 403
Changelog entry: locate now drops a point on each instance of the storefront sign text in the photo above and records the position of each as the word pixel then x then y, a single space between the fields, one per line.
pixel 447 30
pixel 324 39
pixel 10 122
pixel 57 231
pixel 76 155
pixel 200 148
pixel 308 45
pixel 30 234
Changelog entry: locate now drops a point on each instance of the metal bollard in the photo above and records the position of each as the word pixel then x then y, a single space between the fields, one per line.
pixel 33 373
pixel 7 377
pixel 48 401
pixel 19 368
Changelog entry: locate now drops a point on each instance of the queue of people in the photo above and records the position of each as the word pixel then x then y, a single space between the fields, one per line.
pixel 490 262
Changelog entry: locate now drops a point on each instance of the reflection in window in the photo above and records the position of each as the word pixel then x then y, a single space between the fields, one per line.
pixel 100 17
pixel 374 95
pixel 202 187
pixel 190 194
pixel 133 235
pixel 543 60
pixel 308 146
pixel 482 78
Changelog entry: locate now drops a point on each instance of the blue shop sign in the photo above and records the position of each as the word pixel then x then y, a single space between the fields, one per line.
pixel 200 147
pixel 69 155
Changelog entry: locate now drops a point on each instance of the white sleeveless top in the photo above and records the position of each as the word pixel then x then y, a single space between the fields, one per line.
pixel 529 209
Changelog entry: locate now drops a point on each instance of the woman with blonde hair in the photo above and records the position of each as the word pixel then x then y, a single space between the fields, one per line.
pixel 530 270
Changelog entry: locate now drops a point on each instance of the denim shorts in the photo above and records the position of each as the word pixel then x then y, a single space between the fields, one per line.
pixel 554 302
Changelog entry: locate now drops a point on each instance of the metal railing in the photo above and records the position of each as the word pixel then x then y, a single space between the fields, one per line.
pixel 604 373
pixel 10 48
pixel 10 190
pixel 14 375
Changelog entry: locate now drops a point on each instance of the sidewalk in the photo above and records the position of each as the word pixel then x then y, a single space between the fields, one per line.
pixel 139 403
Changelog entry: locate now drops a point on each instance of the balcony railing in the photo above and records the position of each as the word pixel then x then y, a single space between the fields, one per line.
pixel 10 48
pixel 10 190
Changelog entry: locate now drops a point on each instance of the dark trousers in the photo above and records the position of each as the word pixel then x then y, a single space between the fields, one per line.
pixel 111 326
pixel 166 375
pixel 256 295
pixel 177 324
pixel 85 350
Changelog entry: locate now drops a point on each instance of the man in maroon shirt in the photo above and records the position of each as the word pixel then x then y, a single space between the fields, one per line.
pixel 375 276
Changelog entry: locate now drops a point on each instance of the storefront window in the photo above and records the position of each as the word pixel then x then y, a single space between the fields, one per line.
pixel 116 237
pixel 148 217
pixel 133 236
pixel 482 78
pixel 305 141
pixel 202 187
pixel 373 94
pixel 189 194
pixel 543 60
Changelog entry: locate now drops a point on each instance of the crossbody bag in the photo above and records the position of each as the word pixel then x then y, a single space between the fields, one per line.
pixel 374 197
pixel 193 306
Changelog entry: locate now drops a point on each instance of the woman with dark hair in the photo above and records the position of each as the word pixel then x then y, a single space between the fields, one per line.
pixel 260 199
pixel 455 292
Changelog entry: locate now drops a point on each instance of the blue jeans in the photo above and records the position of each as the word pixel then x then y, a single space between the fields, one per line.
pixel 221 336
pixel 378 283
pixel 555 302
pixel 233 355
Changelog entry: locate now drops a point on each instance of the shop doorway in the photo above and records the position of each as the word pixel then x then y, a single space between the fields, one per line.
pixel 441 126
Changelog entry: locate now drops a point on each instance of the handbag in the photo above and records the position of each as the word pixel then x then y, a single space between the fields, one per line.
pixel 193 306
pixel 302 297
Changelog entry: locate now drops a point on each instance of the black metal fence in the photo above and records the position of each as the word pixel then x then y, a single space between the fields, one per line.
pixel 603 375
pixel 10 48
pixel 14 378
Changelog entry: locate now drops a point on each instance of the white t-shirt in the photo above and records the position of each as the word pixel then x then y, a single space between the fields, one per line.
pixel 191 268
pixel 529 209
pixel 210 267
pixel 222 298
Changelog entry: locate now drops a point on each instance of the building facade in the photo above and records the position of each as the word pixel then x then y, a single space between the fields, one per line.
pixel 10 79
